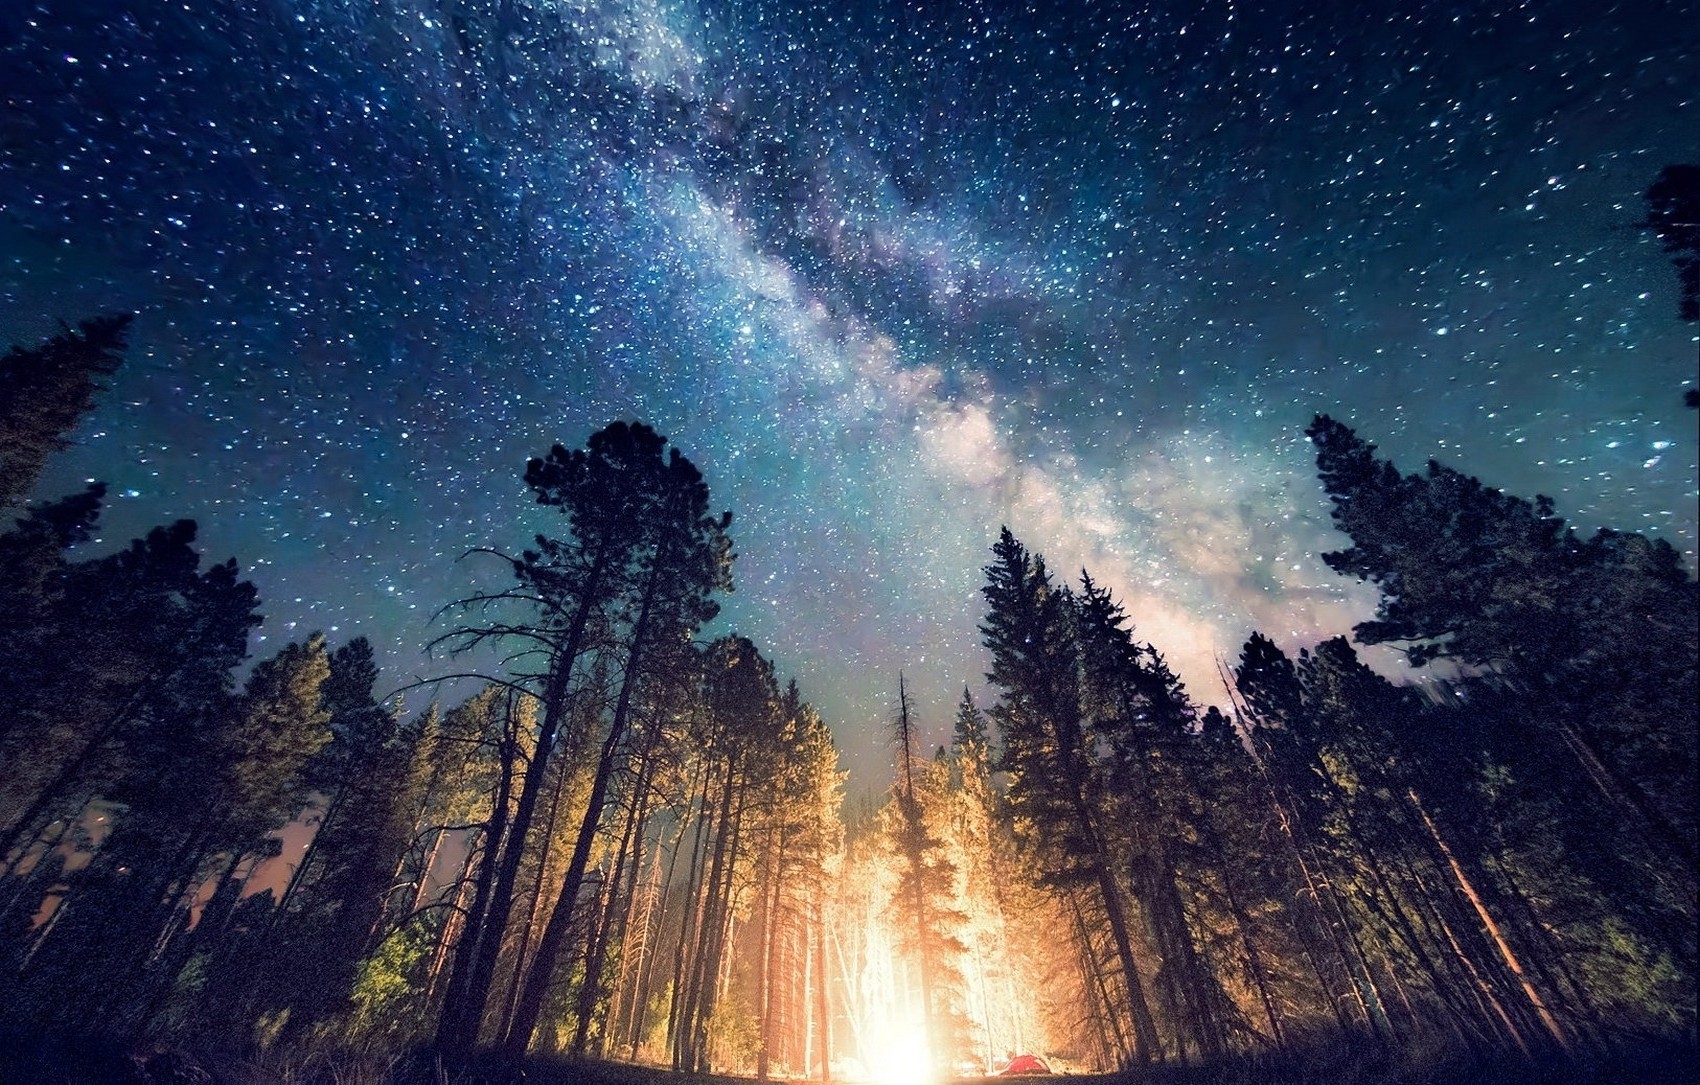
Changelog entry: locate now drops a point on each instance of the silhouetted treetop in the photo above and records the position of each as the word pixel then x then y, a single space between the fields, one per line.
pixel 44 390
pixel 1673 214
pixel 1604 628
pixel 1465 571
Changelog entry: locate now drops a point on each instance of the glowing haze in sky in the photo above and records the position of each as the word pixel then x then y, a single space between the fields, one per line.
pixel 891 274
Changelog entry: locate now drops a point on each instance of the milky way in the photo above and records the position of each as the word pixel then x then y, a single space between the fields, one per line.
pixel 892 275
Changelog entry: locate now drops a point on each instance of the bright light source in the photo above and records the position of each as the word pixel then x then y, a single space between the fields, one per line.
pixel 904 1058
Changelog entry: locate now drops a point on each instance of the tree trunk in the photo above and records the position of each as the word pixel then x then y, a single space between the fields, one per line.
pixel 764 986
pixel 596 955
pixel 1468 888
pixel 690 926
pixel 717 925
pixel 1107 1021
pixel 822 1005
pixel 481 971
pixel 693 934
pixel 1254 958
pixel 1147 1044
pixel 463 1001
pixel 646 968
pixel 611 1032
pixel 537 979
pixel 535 908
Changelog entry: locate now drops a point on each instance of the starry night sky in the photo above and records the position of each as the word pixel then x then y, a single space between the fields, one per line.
pixel 891 274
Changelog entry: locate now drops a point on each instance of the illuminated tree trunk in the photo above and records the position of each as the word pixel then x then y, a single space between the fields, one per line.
pixel 715 959
pixel 688 824
pixel 1468 888
pixel 674 589
pixel 1484 990
pixel 913 841
pixel 1147 1044
pixel 700 985
pixel 596 957
pixel 1331 915
pixel 765 1002
pixel 1107 1022
pixel 690 927
pixel 529 1005
pixel 448 937
pixel 537 898
pixel 1254 957
pixel 637 897
pixel 822 1014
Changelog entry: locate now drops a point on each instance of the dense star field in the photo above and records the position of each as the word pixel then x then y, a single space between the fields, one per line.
pixel 891 274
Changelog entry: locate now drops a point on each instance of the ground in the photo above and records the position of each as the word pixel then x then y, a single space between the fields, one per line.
pixel 37 1061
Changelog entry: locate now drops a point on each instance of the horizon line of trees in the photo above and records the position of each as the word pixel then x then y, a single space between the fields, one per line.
pixel 630 843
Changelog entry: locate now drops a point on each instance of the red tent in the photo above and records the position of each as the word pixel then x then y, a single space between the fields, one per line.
pixel 1025 1064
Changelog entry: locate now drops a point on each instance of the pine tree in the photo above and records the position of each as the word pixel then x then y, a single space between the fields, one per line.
pixel 333 904
pixel 196 800
pixel 680 557
pixel 1056 787
pixel 1138 710
pixel 36 582
pixel 741 714
pixel 926 887
pixel 44 390
pixel 106 657
pixel 1601 634
pixel 563 591
pixel 1673 215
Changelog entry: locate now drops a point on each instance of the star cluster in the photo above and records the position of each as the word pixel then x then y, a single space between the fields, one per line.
pixel 892 274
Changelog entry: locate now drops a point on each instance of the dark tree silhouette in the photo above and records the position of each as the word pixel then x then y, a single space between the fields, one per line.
pixel 44 390
pixel 680 559
pixel 1056 778
pixel 1673 214
pixel 103 658
pixel 1598 634
pixel 635 572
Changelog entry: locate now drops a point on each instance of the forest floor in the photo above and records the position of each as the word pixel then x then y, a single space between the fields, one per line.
pixel 33 1061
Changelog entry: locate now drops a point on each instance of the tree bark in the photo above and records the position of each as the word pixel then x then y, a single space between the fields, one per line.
pixel 1465 886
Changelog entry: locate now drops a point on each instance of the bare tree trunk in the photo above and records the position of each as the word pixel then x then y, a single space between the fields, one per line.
pixel 706 858
pixel 538 977
pixel 622 923
pixel 637 964
pixel 1465 886
pixel 1331 914
pixel 1254 959
pixel 822 1005
pixel 474 993
pixel 1106 1021
pixel 463 999
pixel 596 954
pixel 534 909
pixel 1484 990
pixel 453 924
pixel 1147 1044
pixel 764 997
pixel 646 971
pixel 711 959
